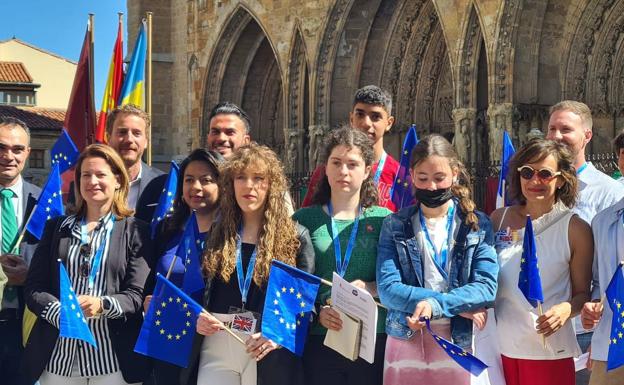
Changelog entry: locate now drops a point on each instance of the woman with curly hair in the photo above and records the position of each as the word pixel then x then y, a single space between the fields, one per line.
pixel 344 216
pixel 254 229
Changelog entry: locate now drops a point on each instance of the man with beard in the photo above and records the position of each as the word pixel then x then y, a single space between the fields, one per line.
pixel 126 128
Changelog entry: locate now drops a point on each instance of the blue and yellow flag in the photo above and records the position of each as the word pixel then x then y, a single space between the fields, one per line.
pixel 189 250
pixel 288 306
pixel 49 205
pixel 615 297
pixel 167 198
pixel 133 89
pixel 402 192
pixel 529 280
pixel 459 355
pixel 64 152
pixel 169 326
pixel 72 324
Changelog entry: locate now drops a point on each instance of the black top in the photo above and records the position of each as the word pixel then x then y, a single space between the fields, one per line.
pixel 227 294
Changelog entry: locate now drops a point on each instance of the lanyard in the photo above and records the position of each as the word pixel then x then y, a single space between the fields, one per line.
pixel 244 283
pixel 341 265
pixel 581 169
pixel 97 259
pixel 439 259
pixel 380 167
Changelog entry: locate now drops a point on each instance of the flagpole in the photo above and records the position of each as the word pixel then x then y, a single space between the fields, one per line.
pixel 148 99
pixel 540 311
pixel 90 138
pixel 23 232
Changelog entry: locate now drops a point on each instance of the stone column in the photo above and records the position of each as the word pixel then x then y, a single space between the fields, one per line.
pixel 500 118
pixel 464 119
pixel 316 133
pixel 293 145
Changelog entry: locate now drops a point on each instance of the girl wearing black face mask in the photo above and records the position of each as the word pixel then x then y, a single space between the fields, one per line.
pixel 435 260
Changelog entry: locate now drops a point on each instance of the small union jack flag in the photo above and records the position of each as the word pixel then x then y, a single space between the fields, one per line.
pixel 243 324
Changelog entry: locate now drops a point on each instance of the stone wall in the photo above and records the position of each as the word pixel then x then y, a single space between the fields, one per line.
pixel 469 68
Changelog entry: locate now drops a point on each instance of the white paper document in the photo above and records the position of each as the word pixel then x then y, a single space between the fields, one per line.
pixel 357 303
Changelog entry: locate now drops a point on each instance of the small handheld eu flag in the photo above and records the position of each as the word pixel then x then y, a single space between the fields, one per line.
pixel 189 250
pixel 466 360
pixel 169 326
pixel 64 152
pixel 288 306
pixel 72 321
pixel 529 280
pixel 401 193
pixel 167 198
pixel 49 205
pixel 615 297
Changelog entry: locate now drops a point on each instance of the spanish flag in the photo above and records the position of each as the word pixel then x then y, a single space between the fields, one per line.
pixel 113 86
pixel 133 90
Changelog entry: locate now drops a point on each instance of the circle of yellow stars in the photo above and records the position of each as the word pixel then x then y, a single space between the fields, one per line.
pixel 617 331
pixel 302 304
pixel 169 335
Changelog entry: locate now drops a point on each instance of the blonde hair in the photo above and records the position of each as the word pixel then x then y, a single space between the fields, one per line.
pixel 119 207
pixel 579 108
pixel 278 236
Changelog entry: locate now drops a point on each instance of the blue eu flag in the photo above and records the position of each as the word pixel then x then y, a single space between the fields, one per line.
pixel 72 322
pixel 615 296
pixel 529 281
pixel 508 152
pixel 189 251
pixel 288 306
pixel 49 205
pixel 401 193
pixel 459 355
pixel 169 326
pixel 167 198
pixel 64 152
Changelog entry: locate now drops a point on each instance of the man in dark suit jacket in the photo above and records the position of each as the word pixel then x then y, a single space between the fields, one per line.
pixel 126 128
pixel 21 197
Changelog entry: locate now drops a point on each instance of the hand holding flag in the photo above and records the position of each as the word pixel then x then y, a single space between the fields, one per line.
pixel 288 306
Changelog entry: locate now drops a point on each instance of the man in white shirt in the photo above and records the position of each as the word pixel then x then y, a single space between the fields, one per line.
pixel 571 123
pixel 17 198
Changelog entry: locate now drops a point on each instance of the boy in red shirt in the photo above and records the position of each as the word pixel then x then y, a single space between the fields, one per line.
pixel 371 114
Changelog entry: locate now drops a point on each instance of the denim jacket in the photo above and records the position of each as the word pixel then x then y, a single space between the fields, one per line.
pixel 400 283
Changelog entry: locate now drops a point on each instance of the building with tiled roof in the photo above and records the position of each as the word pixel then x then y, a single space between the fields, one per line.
pixel 24 64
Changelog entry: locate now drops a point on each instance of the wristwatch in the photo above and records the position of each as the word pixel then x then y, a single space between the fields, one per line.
pixel 106 304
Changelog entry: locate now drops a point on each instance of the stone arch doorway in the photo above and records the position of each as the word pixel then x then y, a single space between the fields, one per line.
pixel 244 70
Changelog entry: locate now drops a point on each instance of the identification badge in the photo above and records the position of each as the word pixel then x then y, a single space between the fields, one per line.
pixel 503 239
pixel 244 321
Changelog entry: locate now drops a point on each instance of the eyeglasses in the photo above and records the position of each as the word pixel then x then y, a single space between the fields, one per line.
pixel 85 260
pixel 543 174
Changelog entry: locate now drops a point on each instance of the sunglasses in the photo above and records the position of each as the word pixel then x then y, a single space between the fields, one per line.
pixel 543 174
pixel 85 260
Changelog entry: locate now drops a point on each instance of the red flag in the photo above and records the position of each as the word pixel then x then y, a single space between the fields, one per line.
pixel 80 116
pixel 113 86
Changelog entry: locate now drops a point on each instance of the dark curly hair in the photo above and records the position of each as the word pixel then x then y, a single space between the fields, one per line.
pixel 537 150
pixel 350 138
